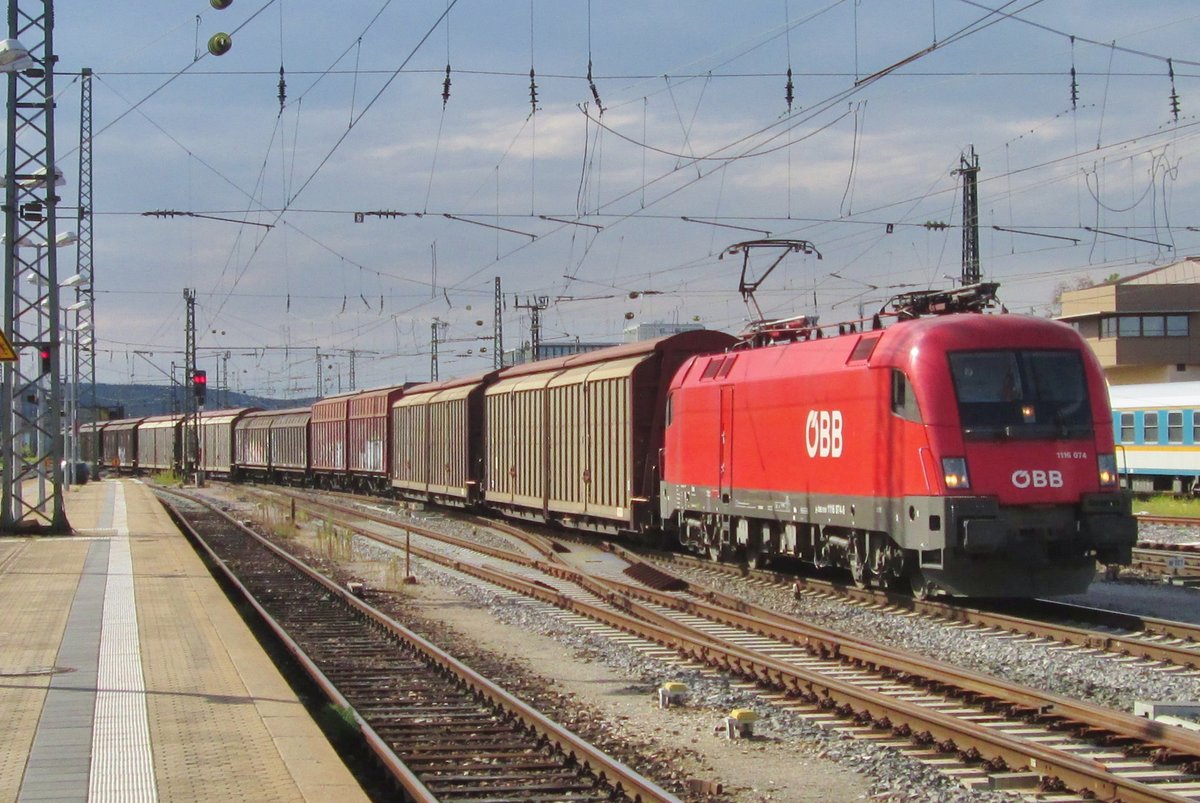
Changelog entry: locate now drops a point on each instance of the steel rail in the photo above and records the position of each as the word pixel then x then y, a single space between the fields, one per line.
pixel 732 611
pixel 1186 654
pixel 632 784
pixel 886 712
pixel 625 614
pixel 407 780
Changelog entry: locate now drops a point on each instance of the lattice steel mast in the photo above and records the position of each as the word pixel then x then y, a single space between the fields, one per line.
pixel 85 327
pixel 31 424
pixel 969 170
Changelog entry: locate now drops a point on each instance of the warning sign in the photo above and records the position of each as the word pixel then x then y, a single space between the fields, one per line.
pixel 6 350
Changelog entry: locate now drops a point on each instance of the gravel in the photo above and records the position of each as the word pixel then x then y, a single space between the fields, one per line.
pixel 1051 667
pixel 894 776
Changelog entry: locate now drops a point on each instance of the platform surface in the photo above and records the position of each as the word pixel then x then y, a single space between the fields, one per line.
pixel 126 675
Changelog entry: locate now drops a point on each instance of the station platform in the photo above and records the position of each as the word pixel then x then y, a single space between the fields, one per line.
pixel 126 675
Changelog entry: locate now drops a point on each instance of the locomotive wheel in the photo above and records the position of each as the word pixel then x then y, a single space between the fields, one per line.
pixel 858 562
pixel 756 556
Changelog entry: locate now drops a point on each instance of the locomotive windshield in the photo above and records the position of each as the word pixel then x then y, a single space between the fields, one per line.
pixel 1021 394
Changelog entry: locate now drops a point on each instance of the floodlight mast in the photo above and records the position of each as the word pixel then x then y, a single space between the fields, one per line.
pixel 31 499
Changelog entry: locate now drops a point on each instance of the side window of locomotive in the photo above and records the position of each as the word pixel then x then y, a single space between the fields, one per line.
pixel 1128 434
pixel 1030 394
pixel 1150 427
pixel 670 408
pixel 904 401
pixel 1175 426
pixel 1196 427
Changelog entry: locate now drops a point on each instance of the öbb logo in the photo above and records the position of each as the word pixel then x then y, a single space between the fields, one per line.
pixel 823 433
pixel 1037 479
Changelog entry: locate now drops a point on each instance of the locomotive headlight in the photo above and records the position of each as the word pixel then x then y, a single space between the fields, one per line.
pixel 954 473
pixel 1108 470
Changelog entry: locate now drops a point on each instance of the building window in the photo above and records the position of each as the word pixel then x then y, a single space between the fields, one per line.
pixel 1150 427
pixel 1144 326
pixel 1175 426
pixel 1127 430
pixel 1196 427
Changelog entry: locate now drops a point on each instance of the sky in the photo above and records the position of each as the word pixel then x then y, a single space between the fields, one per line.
pixel 613 199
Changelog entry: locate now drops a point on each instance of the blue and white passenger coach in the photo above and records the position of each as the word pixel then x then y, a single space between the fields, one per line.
pixel 1157 429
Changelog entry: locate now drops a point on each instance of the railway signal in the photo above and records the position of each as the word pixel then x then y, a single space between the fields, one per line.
pixel 200 385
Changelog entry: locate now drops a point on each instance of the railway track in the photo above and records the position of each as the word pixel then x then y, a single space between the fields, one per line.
pixel 444 732
pixel 1002 732
pixel 1123 634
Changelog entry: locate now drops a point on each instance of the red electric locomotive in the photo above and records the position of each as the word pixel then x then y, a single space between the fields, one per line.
pixel 962 453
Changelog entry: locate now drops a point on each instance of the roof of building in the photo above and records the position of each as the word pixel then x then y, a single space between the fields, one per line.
pixel 1185 271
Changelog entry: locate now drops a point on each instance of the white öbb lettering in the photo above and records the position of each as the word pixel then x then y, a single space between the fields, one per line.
pixel 823 433
pixel 1037 479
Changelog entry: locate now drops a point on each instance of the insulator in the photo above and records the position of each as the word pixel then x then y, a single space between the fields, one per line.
pixel 1174 94
pixel 532 91
pixel 1074 89
pixel 219 44
pixel 446 87
pixel 595 93
pixel 790 95
pixel 282 89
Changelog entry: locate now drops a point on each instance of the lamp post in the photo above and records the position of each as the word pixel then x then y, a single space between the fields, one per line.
pixel 77 334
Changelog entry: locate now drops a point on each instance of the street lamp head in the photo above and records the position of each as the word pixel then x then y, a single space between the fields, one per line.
pixel 38 179
pixel 14 56
pixel 24 241
pixel 72 281
pixel 78 305
pixel 65 238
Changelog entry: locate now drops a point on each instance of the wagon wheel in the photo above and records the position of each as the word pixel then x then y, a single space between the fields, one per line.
pixel 920 587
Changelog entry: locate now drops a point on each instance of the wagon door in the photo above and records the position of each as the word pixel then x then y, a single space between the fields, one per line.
pixel 725 481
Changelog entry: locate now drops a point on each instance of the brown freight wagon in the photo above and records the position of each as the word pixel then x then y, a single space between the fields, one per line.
pixel 577 439
pixel 289 445
pixel 216 440
pixel 119 445
pixel 272 445
pixel 252 445
pixel 159 443
pixel 91 443
pixel 327 440
pixel 368 447
pixel 437 441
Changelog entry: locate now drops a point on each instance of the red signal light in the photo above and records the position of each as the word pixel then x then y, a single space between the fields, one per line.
pixel 200 384
pixel 44 356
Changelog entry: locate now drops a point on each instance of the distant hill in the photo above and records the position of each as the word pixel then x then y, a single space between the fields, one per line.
pixel 137 401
